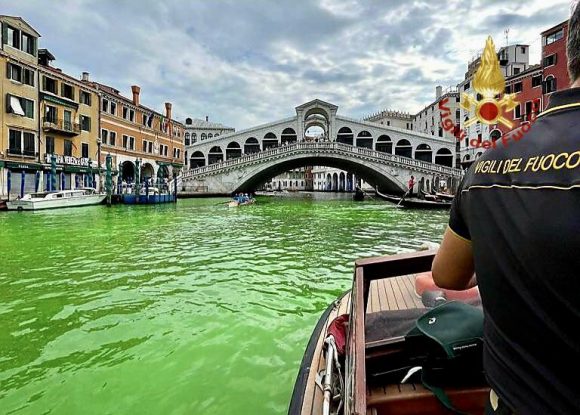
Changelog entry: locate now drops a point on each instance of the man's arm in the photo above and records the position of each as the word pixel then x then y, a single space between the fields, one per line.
pixel 453 265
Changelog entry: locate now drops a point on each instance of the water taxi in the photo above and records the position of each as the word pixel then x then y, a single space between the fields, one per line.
pixel 60 199
pixel 361 358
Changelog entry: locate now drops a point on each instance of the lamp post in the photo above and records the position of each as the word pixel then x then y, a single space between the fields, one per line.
pixel 99 142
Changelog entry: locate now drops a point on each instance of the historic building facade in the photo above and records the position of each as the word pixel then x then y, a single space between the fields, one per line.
pixel 20 161
pixel 197 130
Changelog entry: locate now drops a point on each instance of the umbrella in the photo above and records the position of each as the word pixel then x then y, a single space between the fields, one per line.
pixel 22 181
pixel 37 181
pixel 9 182
pixel 53 173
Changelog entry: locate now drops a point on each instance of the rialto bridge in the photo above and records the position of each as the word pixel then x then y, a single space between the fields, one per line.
pixel 380 155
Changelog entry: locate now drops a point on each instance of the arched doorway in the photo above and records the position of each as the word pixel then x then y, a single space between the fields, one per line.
pixel 270 141
pixel 364 139
pixel 334 182
pixel 328 186
pixel 341 182
pixel 423 152
pixel 349 182
pixel 251 146
pixel 443 157
pixel 384 144
pixel 163 172
pixel 233 150
pixel 345 136
pixel 197 160
pixel 288 136
pixel 495 135
pixel 404 148
pixel 147 171
pixel 128 171
pixel 315 132
pixel 215 155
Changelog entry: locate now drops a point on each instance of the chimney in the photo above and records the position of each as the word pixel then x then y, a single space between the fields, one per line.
pixel 168 110
pixel 85 77
pixel 438 91
pixel 206 118
pixel 136 91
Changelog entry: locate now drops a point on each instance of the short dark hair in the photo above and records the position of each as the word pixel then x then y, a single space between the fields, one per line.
pixel 574 44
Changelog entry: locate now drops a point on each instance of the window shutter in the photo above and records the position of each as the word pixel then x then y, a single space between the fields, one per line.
pixel 4 33
pixel 8 70
pixel 62 89
pixel 8 108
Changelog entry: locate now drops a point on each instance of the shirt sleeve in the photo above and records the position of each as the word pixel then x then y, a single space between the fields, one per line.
pixel 457 222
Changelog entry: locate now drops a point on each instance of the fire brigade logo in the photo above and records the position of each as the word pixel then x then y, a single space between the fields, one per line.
pixel 489 82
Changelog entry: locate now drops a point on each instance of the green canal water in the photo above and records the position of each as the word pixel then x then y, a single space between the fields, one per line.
pixel 192 308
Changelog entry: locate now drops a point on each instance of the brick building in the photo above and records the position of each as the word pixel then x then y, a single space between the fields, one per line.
pixel 554 60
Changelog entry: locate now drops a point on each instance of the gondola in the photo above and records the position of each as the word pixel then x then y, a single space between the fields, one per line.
pixel 415 203
pixel 357 378
pixel 358 195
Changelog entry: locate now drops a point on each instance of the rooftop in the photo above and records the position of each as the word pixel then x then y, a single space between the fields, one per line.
pixel 197 123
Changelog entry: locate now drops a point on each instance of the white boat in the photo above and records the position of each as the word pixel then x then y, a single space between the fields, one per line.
pixel 61 199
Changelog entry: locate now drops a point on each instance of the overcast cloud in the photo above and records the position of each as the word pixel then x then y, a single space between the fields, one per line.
pixel 245 62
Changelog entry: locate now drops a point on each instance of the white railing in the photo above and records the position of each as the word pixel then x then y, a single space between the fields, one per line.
pixel 324 147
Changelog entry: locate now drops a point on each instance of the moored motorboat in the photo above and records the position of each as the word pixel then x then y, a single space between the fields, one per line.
pixel 372 374
pixel 148 196
pixel 58 199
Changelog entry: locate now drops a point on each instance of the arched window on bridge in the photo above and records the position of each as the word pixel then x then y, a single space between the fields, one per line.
pixel 288 136
pixel 215 155
pixel 203 136
pixel 210 135
pixel 404 148
pixel 345 136
pixel 251 146
pixel 384 144
pixel 270 141
pixel 423 152
pixel 364 139
pixel 233 151
pixel 216 135
pixel 186 139
pixel 197 160
pixel 444 157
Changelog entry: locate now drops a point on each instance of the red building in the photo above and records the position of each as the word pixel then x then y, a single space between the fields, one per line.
pixel 554 60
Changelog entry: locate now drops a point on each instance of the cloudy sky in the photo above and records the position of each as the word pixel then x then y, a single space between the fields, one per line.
pixel 245 62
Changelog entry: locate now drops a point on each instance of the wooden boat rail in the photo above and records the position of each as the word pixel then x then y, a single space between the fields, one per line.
pixel 367 270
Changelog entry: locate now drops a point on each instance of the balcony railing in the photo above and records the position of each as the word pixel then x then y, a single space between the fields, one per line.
pixel 62 126
pixel 21 153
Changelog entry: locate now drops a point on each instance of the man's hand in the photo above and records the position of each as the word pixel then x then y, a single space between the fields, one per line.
pixel 453 265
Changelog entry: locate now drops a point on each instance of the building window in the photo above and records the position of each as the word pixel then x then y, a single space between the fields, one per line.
pixel 29 144
pixel 85 123
pixel 13 37
pixel 551 38
pixel 523 49
pixel 113 108
pixel 67 91
pixel 85 98
pixel 104 135
pixel 14 142
pixel 516 71
pixel 550 85
pixel 550 60
pixel 203 136
pixel 150 147
pixel 518 87
pixel 517 112
pixel 210 135
pixel 49 145
pixel 112 138
pixel 466 86
pixel 125 140
pixel 14 72
pixel 50 85
pixel 144 148
pixel 536 81
pixel 144 119
pixel 68 148
pixel 51 114
pixel 105 105
pixel 19 106
pixel 132 115
pixel 28 44
pixel 193 138
pixel 131 143
pixel 186 139
pixel 508 89
pixel 85 150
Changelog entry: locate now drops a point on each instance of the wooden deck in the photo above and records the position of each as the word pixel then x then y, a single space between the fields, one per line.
pixel 396 293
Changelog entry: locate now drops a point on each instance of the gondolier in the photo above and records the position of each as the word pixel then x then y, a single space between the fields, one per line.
pixel 518 228
pixel 411 185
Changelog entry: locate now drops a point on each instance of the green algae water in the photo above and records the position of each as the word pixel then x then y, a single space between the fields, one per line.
pixel 193 308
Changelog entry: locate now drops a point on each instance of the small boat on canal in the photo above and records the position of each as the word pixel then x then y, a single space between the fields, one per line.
pixel 55 200
pixel 368 353
pixel 358 195
pixel 416 203
pixel 148 196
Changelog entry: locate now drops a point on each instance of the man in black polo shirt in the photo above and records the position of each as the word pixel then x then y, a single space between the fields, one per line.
pixel 516 221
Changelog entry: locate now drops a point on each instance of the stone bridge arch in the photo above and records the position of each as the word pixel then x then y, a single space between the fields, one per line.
pixel 369 172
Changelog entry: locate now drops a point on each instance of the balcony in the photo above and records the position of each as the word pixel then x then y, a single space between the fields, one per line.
pixel 60 126
pixel 21 153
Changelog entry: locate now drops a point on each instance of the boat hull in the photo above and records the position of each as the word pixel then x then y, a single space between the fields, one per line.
pixel 414 203
pixel 130 199
pixel 88 200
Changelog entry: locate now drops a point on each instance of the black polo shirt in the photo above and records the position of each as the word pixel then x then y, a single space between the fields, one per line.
pixel 519 205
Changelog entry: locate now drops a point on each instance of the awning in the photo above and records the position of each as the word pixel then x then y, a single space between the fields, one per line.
pixel 15 106
pixel 57 100
pixel 23 166
pixel 77 169
pixel 178 165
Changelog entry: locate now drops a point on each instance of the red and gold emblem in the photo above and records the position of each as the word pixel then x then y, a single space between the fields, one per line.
pixel 489 82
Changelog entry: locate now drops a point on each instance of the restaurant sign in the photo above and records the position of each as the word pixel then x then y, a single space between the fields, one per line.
pixel 72 161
